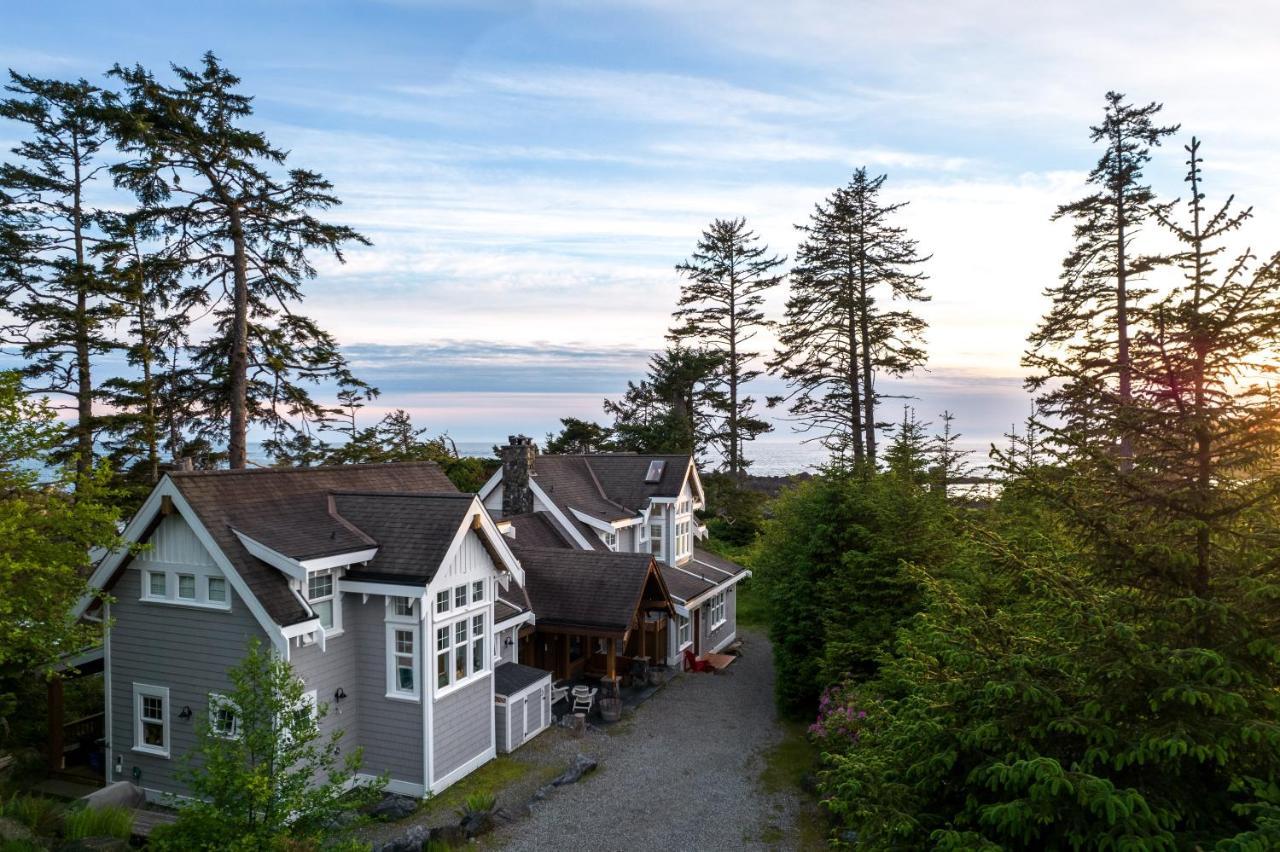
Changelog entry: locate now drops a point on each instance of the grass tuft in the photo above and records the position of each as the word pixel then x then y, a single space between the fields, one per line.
pixel 80 823
pixel 38 813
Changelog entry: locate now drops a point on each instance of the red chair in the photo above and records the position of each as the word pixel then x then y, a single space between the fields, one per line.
pixel 693 664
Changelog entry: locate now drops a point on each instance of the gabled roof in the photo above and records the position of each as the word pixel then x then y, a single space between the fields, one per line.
pixel 571 482
pixel 512 601
pixel 288 509
pixel 413 531
pixel 685 586
pixel 589 589
pixel 713 565
pixel 537 529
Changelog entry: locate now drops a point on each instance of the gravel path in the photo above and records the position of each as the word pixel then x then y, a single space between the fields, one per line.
pixel 683 772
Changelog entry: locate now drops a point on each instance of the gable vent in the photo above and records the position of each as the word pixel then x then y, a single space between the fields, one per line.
pixel 654 473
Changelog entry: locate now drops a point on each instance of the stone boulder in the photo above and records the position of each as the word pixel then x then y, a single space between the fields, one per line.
pixel 394 807
pixel 582 765
pixel 121 794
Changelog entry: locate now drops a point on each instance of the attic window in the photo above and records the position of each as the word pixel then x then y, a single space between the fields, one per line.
pixel 654 473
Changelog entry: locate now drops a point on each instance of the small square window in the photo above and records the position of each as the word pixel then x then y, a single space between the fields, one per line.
pixel 319 585
pixel 156 584
pixel 187 587
pixel 217 590
pixel 404 606
pixel 477 591
pixel 442 601
pixel 460 596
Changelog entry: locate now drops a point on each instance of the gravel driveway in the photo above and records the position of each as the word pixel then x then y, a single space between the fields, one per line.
pixel 683 772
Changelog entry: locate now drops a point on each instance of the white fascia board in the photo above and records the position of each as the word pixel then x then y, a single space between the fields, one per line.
pixel 369 587
pixel 565 523
pixel 339 559
pixel 132 532
pixel 497 539
pixel 302 628
pixel 701 496
pixel 719 587
pixel 237 582
pixel 594 523
pixel 515 621
pixel 290 567
pixel 712 567
pixel 493 482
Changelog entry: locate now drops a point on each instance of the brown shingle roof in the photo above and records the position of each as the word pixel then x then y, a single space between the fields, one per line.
pixel 684 585
pixel 537 529
pixel 288 510
pixel 512 601
pixel 586 588
pixel 713 565
pixel 413 531
pixel 608 486
pixel 571 482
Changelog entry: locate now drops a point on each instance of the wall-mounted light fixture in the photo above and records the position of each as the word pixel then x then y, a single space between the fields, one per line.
pixel 185 714
pixel 508 642
pixel 339 694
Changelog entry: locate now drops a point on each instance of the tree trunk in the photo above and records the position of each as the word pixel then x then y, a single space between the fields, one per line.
pixel 734 466
pixel 239 356
pixel 80 325
pixel 855 381
pixel 1122 322
pixel 864 321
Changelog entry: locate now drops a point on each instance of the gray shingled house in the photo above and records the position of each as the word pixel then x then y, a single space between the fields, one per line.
pixel 392 595
pixel 611 505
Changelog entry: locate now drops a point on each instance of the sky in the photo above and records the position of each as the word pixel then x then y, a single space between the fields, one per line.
pixel 529 173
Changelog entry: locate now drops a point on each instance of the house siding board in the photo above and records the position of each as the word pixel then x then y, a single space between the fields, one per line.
pixel 501 727
pixel 185 649
pixel 325 671
pixel 389 730
pixel 713 640
pixel 462 727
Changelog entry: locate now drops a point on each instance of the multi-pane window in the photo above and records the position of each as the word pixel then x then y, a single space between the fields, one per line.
pixel 217 589
pixel 460 597
pixel 442 601
pixel 406 678
pixel 404 607
pixel 151 733
pixel 655 540
pixel 223 719
pixel 477 643
pixel 477 591
pixel 715 610
pixel 156 584
pixel 187 587
pixel 684 539
pixel 684 631
pixel 320 596
pixel 460 650
pixel 610 540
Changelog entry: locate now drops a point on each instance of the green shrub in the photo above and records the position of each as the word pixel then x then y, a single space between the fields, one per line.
pixel 97 822
pixel 35 812
pixel 478 803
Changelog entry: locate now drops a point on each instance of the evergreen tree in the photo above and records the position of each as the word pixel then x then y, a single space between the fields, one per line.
pixel 579 436
pixel 949 462
pixel 840 329
pixel 907 455
pixel 246 236
pixel 55 301
pixel 671 410
pixel 1081 351
pixel 720 311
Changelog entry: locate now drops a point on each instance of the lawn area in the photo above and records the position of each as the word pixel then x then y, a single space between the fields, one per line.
pixel 786 766
pixel 751 612
pixel 494 777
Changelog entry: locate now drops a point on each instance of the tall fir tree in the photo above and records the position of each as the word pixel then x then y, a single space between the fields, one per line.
pixel 719 310
pixel 57 308
pixel 246 233
pixel 1080 353
pixel 841 329
pixel 672 409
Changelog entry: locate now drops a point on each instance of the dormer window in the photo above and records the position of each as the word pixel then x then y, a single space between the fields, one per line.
pixel 610 539
pixel 323 601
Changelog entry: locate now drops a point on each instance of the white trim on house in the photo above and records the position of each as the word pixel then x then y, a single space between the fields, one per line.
pixel 109 750
pixel 141 691
pixel 720 587
pixel 601 525
pixel 467 768
pixel 370 587
pixel 555 512
pixel 339 560
pixel 526 617
pixel 410 623
pixel 139 524
pixel 292 567
pixel 394 785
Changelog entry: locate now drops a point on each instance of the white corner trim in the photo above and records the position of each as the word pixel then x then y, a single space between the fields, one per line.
pixel 565 523
pixel 465 769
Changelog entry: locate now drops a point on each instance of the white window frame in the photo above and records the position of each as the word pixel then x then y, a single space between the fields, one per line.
pixel 140 691
pixel 333 598
pixel 461 597
pixel 444 601
pixel 172 575
pixel 661 527
pixel 394 655
pixel 219 702
pixel 208 585
pixel 610 539
pixel 684 631
pixel 478 592
pixel 684 538
pixel 715 612
pixel 449 650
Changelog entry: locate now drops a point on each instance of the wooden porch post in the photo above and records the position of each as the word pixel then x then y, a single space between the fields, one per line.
pixel 612 668
pixel 644 631
pixel 55 723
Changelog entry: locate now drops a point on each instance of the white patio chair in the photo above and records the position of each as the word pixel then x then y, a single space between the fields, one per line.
pixel 582 701
pixel 559 692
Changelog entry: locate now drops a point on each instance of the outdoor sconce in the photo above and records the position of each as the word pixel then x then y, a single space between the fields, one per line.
pixel 186 713
pixel 339 695
pixel 508 642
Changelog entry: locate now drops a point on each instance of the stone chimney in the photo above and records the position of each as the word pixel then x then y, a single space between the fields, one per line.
pixel 517 468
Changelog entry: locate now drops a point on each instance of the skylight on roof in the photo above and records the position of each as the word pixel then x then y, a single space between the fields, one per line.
pixel 654 473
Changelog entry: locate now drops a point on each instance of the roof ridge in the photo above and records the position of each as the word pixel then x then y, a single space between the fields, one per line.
pixel 337 516
pixel 362 492
pixel 325 468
